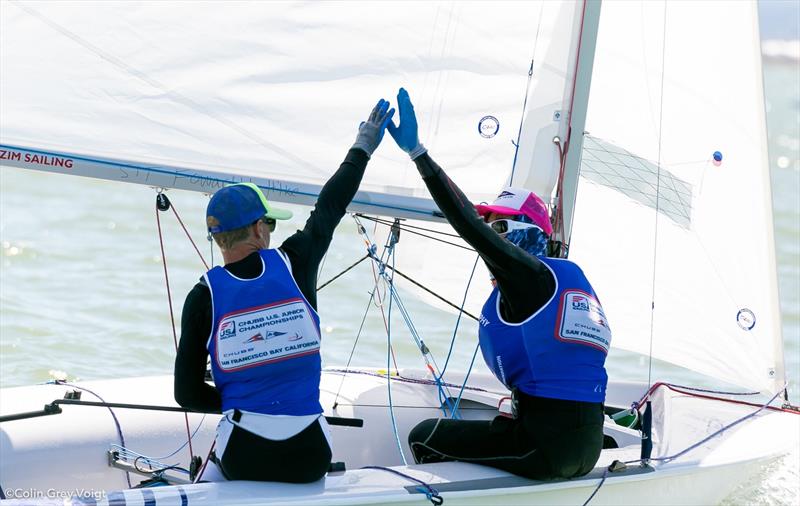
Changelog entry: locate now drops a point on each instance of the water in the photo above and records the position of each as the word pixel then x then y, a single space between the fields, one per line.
pixel 82 283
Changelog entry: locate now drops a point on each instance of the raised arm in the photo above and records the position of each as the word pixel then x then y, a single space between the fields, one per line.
pixel 525 283
pixel 307 247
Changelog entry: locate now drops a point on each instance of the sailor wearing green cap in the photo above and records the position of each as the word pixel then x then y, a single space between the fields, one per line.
pixel 256 318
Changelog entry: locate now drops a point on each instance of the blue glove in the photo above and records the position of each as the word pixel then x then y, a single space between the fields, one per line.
pixel 371 132
pixel 405 134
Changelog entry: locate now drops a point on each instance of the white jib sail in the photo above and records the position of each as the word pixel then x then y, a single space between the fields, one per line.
pixel 706 259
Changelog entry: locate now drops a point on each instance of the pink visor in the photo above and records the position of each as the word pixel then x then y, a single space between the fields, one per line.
pixel 515 201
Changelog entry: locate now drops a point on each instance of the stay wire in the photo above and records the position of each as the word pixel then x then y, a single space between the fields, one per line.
pixel 527 93
pixel 355 343
pixel 400 273
pixel 658 198
pixel 411 229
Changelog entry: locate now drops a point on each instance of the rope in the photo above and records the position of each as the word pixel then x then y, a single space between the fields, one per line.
pixel 416 283
pixel 177 216
pixel 113 415
pixel 458 319
pixel 431 493
pixel 404 379
pixel 355 343
pixel 194 433
pixel 411 230
pixel 323 285
pixel 389 365
pixel 670 458
pixel 161 201
pixel 466 378
pixel 205 464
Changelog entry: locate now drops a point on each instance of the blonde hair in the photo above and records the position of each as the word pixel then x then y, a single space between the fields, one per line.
pixel 228 239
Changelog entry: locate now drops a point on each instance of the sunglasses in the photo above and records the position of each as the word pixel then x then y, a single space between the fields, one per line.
pixel 505 226
pixel 269 222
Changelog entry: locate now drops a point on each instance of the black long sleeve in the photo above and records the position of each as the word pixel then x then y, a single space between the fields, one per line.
pixel 305 250
pixel 525 283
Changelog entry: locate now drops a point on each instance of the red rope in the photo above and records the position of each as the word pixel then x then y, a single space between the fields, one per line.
pixel 676 388
pixel 172 319
pixel 175 211
pixel 559 218
pixel 205 464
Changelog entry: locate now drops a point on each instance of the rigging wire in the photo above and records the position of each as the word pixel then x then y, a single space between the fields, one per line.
pixel 527 93
pixel 411 229
pixel 658 197
pixel 371 249
pixel 353 349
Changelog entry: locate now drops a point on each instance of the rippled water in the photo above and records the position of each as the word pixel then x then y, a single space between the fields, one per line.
pixel 82 283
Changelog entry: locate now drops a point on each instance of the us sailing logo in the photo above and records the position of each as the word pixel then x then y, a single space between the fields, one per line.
pixel 227 329
pixel 579 303
pixel 505 194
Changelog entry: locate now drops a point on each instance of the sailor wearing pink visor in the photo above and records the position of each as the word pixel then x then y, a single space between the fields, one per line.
pixel 542 332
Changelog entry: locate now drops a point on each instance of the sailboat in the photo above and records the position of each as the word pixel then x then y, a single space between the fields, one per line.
pixel 644 123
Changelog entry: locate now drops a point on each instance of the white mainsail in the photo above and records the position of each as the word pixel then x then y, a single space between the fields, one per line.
pixel 706 259
pixel 273 92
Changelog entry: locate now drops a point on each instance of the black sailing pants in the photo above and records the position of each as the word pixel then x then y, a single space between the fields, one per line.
pixel 550 438
pixel 302 458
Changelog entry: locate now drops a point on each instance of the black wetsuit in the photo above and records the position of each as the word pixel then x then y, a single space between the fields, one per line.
pixel 301 458
pixel 549 438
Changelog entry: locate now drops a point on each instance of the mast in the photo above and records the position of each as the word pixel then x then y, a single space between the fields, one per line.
pixel 573 146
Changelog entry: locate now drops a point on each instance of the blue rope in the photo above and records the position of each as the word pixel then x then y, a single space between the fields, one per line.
pixel 464 384
pixel 683 452
pixel 431 493
pixel 421 345
pixel 460 312
pixel 454 410
pixel 113 415
pixel 389 369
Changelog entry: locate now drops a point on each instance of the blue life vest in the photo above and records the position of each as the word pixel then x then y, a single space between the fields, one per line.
pixel 264 341
pixel 559 352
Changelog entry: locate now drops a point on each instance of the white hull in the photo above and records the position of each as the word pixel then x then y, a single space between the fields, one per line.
pixel 52 457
